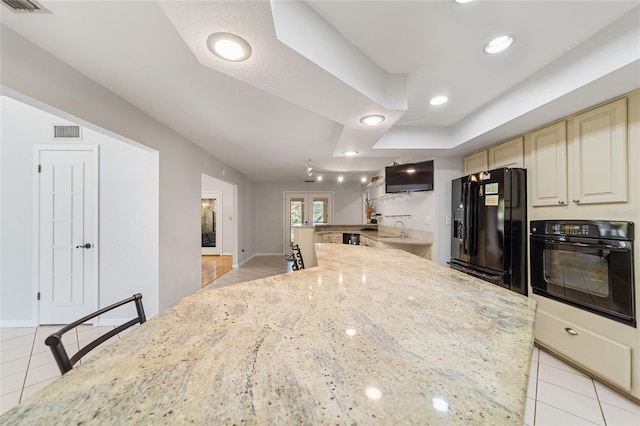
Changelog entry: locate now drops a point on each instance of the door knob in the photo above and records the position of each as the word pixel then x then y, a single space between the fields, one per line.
pixel 87 246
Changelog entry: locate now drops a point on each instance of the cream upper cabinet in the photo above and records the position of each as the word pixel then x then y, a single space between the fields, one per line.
pixel 507 154
pixel 475 163
pixel 548 171
pixel 599 150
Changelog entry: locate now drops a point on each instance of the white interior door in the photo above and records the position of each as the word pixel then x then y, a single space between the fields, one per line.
pixel 211 222
pixel 67 233
pixel 306 208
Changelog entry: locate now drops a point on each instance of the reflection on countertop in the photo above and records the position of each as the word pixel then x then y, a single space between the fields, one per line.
pixel 368 336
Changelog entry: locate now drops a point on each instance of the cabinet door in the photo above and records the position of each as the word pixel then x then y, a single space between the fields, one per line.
pixel 548 175
pixel 507 154
pixel 475 163
pixel 599 150
pixel 598 353
pixel 337 238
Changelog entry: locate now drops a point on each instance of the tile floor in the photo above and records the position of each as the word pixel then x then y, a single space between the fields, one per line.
pixel 557 395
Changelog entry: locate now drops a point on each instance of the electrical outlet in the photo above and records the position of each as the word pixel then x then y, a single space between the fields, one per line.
pixel 428 220
pixel 447 220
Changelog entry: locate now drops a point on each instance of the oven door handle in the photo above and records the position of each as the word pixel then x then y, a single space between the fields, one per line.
pixel 623 245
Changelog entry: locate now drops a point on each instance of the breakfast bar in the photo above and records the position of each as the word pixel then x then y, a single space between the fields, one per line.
pixel 369 336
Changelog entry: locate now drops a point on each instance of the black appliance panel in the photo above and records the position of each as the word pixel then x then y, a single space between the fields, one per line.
pixel 348 238
pixel 587 264
pixel 489 227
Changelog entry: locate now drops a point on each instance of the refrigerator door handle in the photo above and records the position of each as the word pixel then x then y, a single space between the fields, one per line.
pixel 470 201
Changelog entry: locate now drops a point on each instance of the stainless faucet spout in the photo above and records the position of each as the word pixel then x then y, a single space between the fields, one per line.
pixel 401 230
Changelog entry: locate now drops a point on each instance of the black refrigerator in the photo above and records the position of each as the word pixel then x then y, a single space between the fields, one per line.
pixel 489 227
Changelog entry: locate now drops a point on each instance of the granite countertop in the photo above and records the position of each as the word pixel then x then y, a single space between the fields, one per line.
pixel 376 236
pixel 396 239
pixel 370 336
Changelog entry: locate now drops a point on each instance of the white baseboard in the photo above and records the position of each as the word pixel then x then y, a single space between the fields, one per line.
pixel 269 254
pixel 236 265
pixel 16 323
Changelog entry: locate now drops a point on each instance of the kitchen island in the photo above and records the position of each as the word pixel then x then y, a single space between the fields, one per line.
pixel 370 336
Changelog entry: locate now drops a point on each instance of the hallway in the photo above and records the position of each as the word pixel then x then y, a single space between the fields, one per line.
pixel 215 266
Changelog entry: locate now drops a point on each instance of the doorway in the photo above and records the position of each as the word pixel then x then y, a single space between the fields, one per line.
pixel 218 228
pixel 306 209
pixel 210 229
pixel 66 232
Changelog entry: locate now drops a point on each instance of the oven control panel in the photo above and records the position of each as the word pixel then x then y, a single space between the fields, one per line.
pixel 584 228
pixel 569 229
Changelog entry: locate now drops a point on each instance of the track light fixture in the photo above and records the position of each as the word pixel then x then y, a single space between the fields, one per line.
pixel 339 176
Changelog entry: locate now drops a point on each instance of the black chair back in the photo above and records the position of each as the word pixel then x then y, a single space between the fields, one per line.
pixel 296 257
pixel 54 341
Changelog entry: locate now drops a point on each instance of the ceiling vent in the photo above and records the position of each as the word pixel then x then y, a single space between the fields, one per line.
pixel 25 6
pixel 67 131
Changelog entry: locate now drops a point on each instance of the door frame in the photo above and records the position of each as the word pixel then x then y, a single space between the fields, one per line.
pixel 219 223
pixel 285 210
pixel 37 149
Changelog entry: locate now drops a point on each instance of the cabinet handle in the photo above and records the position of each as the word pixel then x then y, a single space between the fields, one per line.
pixel 571 331
pixel 576 201
pixel 560 201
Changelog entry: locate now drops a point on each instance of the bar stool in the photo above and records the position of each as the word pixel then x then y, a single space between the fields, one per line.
pixel 296 258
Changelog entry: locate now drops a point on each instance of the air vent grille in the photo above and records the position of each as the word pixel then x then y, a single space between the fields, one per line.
pixel 66 131
pixel 25 6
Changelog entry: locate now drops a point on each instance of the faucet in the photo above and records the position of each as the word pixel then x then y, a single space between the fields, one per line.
pixel 402 230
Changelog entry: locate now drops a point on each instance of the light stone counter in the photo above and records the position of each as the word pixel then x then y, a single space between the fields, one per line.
pixel 371 336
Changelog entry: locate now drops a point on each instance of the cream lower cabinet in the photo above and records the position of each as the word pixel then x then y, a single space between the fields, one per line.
pixel 599 354
pixel 582 161
pixel 332 237
pixel 367 242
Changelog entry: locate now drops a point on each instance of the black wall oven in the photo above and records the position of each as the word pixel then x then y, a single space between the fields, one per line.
pixel 587 264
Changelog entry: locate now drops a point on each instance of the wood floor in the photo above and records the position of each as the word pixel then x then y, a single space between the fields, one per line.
pixel 213 267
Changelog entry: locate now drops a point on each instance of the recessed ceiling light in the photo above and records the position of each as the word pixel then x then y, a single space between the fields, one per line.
pixel 372 120
pixel 319 178
pixel 438 100
pixel 463 1
pixel 350 153
pixel 340 178
pixel 363 179
pixel 229 46
pixel 499 44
